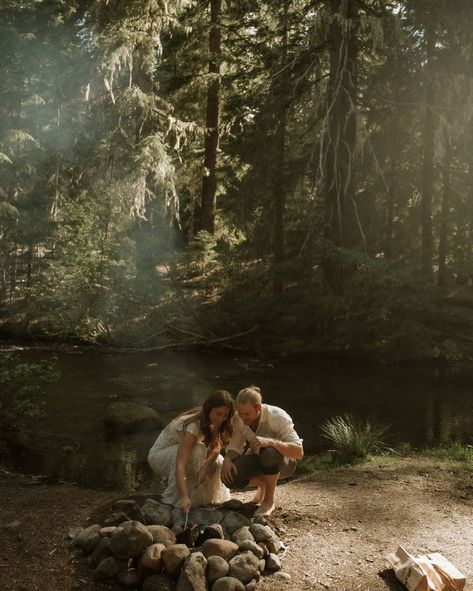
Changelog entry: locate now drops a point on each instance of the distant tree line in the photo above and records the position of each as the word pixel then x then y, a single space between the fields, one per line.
pixel 204 167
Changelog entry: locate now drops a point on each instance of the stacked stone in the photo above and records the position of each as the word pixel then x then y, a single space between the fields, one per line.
pixel 141 549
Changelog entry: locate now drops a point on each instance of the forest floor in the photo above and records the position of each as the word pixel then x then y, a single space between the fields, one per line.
pixel 338 526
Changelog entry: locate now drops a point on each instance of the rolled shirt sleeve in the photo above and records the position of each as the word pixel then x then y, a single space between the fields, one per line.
pixel 238 440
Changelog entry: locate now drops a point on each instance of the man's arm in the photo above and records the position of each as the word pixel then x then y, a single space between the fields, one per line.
pixel 229 471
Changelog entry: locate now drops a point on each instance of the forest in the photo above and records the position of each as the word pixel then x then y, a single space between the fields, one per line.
pixel 291 176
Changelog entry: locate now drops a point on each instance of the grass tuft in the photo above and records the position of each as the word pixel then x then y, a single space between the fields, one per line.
pixel 354 439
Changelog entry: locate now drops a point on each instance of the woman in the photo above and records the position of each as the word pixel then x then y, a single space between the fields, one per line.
pixel 187 453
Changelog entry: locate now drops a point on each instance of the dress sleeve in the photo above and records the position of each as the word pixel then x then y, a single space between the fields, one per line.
pixel 193 428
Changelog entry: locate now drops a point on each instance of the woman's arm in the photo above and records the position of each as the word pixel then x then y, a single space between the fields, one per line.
pixel 184 452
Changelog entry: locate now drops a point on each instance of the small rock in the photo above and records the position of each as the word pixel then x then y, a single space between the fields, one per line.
pixel 228 584
pixel 156 514
pixel 283 575
pixel 217 567
pixel 242 534
pixel 260 520
pixel 232 505
pixel 192 577
pixel 261 565
pixel 151 559
pixel 252 547
pixel 244 567
pixel 129 578
pixel 173 559
pixel 109 568
pixel 251 586
pixel 262 533
pixel 233 521
pixel 107 532
pixel 72 533
pixel 12 526
pixel 83 535
pixel 162 535
pixel 101 551
pixel 262 545
pixel 131 540
pixel 214 531
pixel 115 519
pixel 158 583
pixel 224 548
pixel 273 563
pixel 129 508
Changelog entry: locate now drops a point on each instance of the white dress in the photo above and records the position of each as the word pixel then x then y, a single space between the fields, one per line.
pixel 162 459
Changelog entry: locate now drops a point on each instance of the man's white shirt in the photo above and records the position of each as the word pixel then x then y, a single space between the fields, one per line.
pixel 274 423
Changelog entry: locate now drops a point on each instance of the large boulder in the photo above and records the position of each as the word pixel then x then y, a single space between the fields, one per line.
pixel 192 577
pixel 130 540
pixel 128 417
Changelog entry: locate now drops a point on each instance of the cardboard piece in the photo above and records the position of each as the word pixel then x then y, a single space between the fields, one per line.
pixel 430 572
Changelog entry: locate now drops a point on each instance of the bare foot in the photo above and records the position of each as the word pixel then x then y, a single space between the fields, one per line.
pixel 265 510
pixel 258 495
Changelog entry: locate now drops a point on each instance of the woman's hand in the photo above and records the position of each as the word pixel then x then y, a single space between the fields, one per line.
pixel 186 503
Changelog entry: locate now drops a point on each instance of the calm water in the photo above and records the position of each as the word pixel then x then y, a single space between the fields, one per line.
pixel 423 405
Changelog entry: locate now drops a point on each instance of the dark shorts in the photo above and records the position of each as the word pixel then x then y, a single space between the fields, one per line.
pixel 268 462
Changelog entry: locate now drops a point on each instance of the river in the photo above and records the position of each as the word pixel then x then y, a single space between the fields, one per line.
pixel 422 405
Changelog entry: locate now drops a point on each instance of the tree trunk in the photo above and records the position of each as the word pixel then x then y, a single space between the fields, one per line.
pixel 205 214
pixel 443 241
pixel 340 138
pixel 428 163
pixel 390 209
pixel 279 188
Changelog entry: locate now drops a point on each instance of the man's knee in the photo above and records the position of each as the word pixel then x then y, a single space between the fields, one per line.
pixel 270 460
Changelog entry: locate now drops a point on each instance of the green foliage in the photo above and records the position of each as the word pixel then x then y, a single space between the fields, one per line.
pixel 353 439
pixel 453 452
pixel 314 463
pixel 22 387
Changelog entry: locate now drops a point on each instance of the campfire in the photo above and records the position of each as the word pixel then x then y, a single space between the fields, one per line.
pixel 156 548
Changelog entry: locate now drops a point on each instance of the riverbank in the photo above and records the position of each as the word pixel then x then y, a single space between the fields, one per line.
pixel 338 525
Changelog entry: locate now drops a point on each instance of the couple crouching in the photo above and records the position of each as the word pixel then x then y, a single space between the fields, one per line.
pixel 260 443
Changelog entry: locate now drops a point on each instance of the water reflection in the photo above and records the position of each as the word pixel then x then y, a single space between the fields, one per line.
pixel 422 405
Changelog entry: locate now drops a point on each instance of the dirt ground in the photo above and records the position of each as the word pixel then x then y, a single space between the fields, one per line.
pixel 338 527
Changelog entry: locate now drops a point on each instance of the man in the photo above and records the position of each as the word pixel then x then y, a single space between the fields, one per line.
pixel 264 448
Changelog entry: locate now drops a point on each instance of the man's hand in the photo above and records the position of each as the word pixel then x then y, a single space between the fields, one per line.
pixel 228 472
pixel 259 442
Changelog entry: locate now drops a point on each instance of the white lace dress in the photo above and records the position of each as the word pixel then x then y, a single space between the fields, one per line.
pixel 162 459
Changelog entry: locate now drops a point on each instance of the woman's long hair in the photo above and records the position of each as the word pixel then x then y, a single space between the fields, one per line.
pixel 202 415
